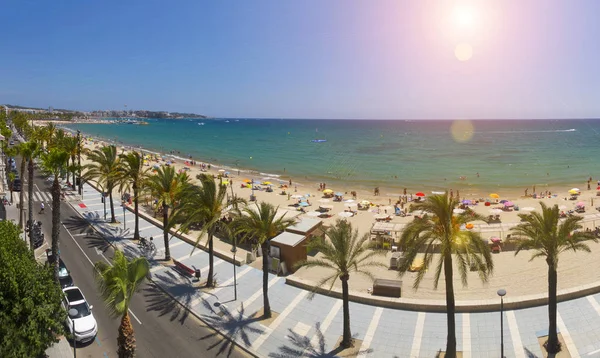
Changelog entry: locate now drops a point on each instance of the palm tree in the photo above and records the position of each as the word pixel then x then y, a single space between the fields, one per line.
pixel 439 228
pixel 131 174
pixel 118 283
pixel 71 146
pixel 548 237
pixel 52 163
pixel 103 170
pixel 345 252
pixel 29 151
pixel 260 226
pixel 206 204
pixel 168 187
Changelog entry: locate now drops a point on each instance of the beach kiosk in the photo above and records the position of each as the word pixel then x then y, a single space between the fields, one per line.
pixel 289 247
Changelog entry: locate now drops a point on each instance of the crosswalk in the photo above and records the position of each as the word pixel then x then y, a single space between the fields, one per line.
pixel 38 196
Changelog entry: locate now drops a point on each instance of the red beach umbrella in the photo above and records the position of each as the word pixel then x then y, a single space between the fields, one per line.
pixel 421 194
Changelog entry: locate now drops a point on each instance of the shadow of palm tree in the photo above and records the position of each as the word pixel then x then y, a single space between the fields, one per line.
pixel 233 327
pixel 529 354
pixel 303 346
pixel 163 304
pixel 179 287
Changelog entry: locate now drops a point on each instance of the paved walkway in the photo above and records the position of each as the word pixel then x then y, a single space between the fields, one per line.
pixel 381 332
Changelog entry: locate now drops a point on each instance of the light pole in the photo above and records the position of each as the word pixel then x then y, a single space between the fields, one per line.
pixel 502 293
pixel 73 313
pixel 124 222
pixel 234 250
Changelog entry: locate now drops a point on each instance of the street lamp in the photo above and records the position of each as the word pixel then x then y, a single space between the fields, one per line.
pixel 234 250
pixel 73 314
pixel 124 222
pixel 502 293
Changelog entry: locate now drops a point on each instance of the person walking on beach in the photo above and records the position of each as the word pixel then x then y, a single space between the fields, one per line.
pixel 534 189
pixel 526 191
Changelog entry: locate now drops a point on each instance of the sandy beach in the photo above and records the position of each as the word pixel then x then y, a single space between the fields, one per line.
pixel 516 274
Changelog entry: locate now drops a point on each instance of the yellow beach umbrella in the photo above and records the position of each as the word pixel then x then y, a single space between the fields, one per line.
pixel 327 191
pixel 247 181
pixel 225 182
pixel 494 196
pixel 266 183
pixel 574 191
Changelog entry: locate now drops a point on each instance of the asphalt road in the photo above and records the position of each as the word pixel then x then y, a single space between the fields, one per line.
pixel 163 328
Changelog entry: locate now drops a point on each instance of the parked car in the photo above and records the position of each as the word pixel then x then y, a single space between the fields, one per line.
pixel 64 275
pixel 83 321
pixel 16 184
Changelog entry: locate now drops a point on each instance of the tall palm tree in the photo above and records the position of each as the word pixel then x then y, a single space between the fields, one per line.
pixel 440 228
pixel 549 237
pixel 131 175
pixel 29 151
pixel 259 226
pixel 118 283
pixel 71 146
pixel 53 163
pixel 167 187
pixel 345 252
pixel 103 170
pixel 207 204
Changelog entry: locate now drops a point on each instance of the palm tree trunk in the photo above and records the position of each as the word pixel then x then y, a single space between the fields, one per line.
pixel 265 254
pixel 73 165
pixel 55 224
pixel 136 231
pixel 113 219
pixel 347 336
pixel 209 279
pixel 30 200
pixel 126 338
pixel 21 194
pixel 552 346
pixel 450 307
pixel 166 231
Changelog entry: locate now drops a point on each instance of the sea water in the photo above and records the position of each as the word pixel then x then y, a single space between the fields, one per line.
pixel 363 154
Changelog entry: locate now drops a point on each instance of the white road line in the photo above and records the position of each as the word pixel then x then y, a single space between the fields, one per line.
pixel 594 304
pixel 196 252
pixel 206 295
pixel 301 329
pixel 265 335
pixel 466 339
pixel 256 295
pixel 147 227
pixel 81 234
pixel 371 330
pixel 416 345
pixel 180 242
pixel 514 334
pixel 566 336
pixel 91 263
pixel 37 196
pixel 327 321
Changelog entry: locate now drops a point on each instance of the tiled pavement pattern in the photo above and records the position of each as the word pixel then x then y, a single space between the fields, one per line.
pixel 383 332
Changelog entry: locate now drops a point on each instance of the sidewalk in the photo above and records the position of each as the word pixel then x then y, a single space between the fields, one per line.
pixel 378 331
pixel 62 349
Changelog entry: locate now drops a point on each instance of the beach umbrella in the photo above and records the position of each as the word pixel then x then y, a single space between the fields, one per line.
pixel 225 182
pixel 348 201
pixel 503 201
pixel 345 214
pixel 509 204
pixel 438 192
pixel 495 211
pixel 221 170
pixel 494 196
pixel 296 196
pixel 466 201
pixel 323 200
pixel 339 193
pixel 313 213
pixel 365 202
pixel 303 204
pixel 469 226
pixel 421 194
pixel 227 173
pixel 528 208
pixel 495 239
pixel 266 183
pixel 574 191
pixel 247 181
pixel 327 191
pixel 598 188
pixel 458 211
pixel 581 204
pixel 562 207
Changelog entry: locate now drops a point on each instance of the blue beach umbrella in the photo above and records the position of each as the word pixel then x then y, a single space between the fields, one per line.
pixel 303 204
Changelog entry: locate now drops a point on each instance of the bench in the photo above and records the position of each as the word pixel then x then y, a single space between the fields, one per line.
pixel 183 268
pixel 388 288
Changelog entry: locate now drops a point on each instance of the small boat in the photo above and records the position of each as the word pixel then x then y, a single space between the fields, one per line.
pixel 319 140
pixel 201 123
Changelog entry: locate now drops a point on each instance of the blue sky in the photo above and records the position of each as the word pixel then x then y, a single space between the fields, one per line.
pixel 306 59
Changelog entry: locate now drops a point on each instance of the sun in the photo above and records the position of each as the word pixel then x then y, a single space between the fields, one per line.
pixel 464 17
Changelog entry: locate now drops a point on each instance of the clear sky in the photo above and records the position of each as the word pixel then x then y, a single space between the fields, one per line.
pixel 306 59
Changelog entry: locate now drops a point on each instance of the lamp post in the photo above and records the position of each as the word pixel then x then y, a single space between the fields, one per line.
pixel 234 250
pixel 502 293
pixel 124 222
pixel 73 313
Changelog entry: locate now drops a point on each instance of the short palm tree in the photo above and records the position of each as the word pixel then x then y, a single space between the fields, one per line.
pixel 439 228
pixel 343 253
pixel 29 151
pixel 53 163
pixel 206 204
pixel 167 187
pixel 131 175
pixel 103 170
pixel 118 283
pixel 549 237
pixel 259 226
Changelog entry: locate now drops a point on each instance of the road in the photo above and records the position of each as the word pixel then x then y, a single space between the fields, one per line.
pixel 162 327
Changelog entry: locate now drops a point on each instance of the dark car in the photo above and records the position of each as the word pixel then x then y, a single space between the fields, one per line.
pixel 16 185
pixel 64 275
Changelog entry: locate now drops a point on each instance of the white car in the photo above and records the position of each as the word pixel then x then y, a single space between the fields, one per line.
pixel 84 321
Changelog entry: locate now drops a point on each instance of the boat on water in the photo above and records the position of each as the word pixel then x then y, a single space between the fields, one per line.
pixel 317 140
pixel 201 123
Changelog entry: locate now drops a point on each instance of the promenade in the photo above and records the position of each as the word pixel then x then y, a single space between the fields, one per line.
pixel 378 331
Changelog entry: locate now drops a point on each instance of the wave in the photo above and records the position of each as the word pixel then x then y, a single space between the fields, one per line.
pixel 540 131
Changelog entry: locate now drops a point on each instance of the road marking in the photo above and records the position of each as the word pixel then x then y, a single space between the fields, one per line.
pixel 91 263
pixel 81 234
pixel 205 295
pixel 327 321
pixel 466 339
pixel 566 336
pixel 371 330
pixel 300 329
pixel 267 333
pixel 196 252
pixel 514 334
pixel 416 345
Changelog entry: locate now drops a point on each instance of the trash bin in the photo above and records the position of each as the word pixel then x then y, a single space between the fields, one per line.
pixel 252 197
pixel 197 274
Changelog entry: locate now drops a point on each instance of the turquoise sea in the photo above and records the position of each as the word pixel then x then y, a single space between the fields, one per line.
pixel 363 154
